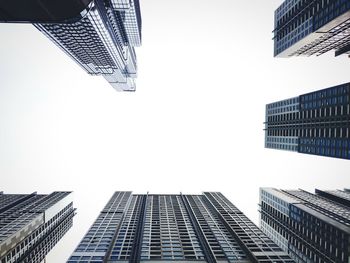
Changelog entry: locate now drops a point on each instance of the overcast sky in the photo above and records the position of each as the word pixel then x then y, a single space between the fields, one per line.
pixel 195 123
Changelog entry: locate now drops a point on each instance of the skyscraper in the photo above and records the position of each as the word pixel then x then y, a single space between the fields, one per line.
pixel 99 35
pixel 174 228
pixel 32 224
pixel 310 227
pixel 314 123
pixel 305 27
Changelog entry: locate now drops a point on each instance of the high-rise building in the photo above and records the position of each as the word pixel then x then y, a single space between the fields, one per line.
pixel 99 35
pixel 174 228
pixel 305 27
pixel 314 123
pixel 310 227
pixel 32 224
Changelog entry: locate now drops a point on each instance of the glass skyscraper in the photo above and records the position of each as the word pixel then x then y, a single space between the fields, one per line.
pixel 305 27
pixel 99 35
pixel 310 227
pixel 314 123
pixel 174 228
pixel 32 224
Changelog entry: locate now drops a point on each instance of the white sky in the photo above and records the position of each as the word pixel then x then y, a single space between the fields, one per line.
pixel 195 123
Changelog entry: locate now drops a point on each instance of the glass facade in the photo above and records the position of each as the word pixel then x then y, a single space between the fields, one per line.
pixel 310 227
pixel 30 225
pixel 316 123
pixel 102 40
pixel 304 27
pixel 174 228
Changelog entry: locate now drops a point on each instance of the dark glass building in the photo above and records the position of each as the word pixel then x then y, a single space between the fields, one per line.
pixel 314 123
pixel 174 228
pixel 305 27
pixel 310 227
pixel 32 224
pixel 99 35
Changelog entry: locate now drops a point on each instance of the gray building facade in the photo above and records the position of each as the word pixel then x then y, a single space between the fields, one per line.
pixel 315 123
pixel 174 228
pixel 304 27
pixel 310 227
pixel 32 224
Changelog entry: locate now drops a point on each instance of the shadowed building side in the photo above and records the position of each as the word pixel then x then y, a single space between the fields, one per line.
pixel 33 11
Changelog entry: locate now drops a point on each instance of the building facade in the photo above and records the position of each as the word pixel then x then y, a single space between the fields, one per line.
pixel 315 123
pixel 100 35
pixel 174 228
pixel 310 227
pixel 304 27
pixel 32 224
